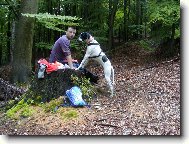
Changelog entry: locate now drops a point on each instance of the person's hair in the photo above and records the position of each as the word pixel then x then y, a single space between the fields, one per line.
pixel 73 27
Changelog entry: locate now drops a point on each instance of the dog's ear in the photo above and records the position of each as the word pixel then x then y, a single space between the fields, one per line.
pixel 84 35
pixel 88 35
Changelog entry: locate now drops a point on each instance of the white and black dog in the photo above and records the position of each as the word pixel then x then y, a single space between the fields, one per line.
pixel 95 52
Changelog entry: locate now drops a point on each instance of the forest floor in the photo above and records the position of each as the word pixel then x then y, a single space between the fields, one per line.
pixel 146 102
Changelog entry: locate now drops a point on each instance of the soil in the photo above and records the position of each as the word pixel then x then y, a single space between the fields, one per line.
pixel 146 102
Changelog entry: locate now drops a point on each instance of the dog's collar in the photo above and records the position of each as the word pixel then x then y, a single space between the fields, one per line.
pixel 93 44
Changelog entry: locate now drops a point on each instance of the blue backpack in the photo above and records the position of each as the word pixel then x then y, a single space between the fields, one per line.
pixel 75 97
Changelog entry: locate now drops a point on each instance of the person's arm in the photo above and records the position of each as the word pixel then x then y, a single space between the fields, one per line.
pixel 65 46
pixel 69 59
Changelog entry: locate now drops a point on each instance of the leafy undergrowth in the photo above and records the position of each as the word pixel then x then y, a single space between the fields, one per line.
pixel 146 102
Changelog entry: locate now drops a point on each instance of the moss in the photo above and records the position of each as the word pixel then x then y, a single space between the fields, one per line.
pixel 27 111
pixel 50 106
pixel 22 109
pixel 68 113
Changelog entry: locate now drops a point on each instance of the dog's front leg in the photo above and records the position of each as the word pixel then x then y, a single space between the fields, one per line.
pixel 84 61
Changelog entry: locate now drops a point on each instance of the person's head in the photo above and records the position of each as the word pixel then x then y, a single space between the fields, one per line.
pixel 70 33
pixel 84 36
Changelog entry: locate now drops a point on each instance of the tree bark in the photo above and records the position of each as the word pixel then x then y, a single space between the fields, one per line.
pixel 22 53
pixel 172 37
pixel 145 18
pixel 125 21
pixel 138 17
pixel 9 37
pixel 12 41
pixel 128 18
pixel 112 11
pixel 1 47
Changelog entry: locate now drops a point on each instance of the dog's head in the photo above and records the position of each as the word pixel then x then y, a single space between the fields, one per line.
pixel 83 36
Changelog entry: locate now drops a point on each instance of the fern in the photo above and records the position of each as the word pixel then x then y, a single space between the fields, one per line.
pixel 53 21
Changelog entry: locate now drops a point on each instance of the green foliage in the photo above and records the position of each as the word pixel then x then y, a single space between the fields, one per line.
pixel 146 45
pixel 54 21
pixel 101 39
pixel 94 18
pixel 3 35
pixel 78 49
pixel 43 45
pixel 177 33
pixel 119 19
pixel 88 90
pixel 136 28
pixel 167 12
pixel 163 15
pixel 32 98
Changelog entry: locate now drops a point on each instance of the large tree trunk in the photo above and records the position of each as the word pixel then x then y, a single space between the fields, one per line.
pixel 1 47
pixel 9 37
pixel 12 41
pixel 22 53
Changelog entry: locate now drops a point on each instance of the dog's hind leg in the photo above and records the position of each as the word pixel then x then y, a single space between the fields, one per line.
pixel 107 74
pixel 113 76
pixel 110 86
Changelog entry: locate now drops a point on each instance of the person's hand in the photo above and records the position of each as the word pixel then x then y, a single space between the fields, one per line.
pixel 73 68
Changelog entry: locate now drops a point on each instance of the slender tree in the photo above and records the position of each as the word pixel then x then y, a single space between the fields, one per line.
pixel 138 18
pixel 125 20
pixel 112 11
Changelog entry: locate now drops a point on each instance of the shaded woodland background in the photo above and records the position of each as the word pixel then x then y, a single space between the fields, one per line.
pixel 154 24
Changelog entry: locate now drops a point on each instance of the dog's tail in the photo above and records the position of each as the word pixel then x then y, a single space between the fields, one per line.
pixel 112 69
